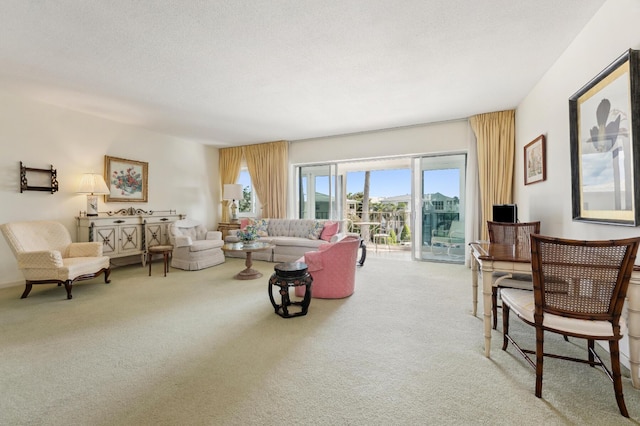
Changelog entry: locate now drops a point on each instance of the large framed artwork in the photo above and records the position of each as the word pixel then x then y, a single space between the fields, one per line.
pixel 126 179
pixel 605 154
pixel 535 162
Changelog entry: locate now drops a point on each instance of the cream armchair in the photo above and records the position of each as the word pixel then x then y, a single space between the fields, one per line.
pixel 46 255
pixel 194 247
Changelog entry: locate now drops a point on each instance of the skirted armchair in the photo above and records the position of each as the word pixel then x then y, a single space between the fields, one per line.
pixel 194 247
pixel 333 268
pixel 46 255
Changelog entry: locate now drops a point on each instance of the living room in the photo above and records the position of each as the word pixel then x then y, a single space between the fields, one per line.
pixel 183 171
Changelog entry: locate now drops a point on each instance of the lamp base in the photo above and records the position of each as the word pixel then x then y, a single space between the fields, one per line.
pixel 234 209
pixel 92 205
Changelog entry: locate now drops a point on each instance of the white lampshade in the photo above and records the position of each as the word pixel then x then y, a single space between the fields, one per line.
pixel 232 191
pixel 92 184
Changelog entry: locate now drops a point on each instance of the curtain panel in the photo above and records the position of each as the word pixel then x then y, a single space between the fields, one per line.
pixel 229 163
pixel 495 134
pixel 268 164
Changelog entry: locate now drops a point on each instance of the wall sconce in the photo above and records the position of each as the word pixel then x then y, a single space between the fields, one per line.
pixel 233 192
pixel 93 185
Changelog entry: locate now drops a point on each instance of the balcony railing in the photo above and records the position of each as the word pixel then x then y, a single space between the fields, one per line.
pixel 385 222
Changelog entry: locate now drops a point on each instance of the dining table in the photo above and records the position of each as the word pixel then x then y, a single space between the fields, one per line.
pixel 487 258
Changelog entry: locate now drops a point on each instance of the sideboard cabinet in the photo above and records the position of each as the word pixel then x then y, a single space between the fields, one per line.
pixel 127 232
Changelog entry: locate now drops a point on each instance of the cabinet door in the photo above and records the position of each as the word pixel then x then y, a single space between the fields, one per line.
pixel 155 234
pixel 130 239
pixel 107 236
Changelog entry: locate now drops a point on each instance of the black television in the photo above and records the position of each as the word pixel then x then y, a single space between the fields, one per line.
pixel 505 213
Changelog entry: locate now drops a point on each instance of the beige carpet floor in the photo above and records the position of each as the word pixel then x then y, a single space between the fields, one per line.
pixel 199 348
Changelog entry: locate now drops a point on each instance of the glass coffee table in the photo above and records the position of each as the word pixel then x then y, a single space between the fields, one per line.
pixel 248 273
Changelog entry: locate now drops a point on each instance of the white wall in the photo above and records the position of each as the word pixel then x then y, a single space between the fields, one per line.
pixel 613 30
pixel 182 174
pixel 446 137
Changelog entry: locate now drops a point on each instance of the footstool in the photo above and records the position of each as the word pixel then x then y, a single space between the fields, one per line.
pixel 164 251
pixel 287 275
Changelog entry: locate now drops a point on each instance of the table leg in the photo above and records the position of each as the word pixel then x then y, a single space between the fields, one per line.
pixel 486 314
pixel 474 284
pixel 248 273
pixel 633 322
pixel 166 262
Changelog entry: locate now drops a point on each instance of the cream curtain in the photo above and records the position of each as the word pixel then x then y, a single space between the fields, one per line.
pixel 268 165
pixel 229 163
pixel 495 134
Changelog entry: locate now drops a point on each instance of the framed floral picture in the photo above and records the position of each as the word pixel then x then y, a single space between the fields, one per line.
pixel 605 145
pixel 535 163
pixel 126 179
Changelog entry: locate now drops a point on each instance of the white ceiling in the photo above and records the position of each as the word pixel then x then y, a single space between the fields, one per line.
pixel 232 72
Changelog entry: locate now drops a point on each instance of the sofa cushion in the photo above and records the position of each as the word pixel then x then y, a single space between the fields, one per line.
pixel 315 230
pixel 295 242
pixel 262 227
pixel 200 245
pixel 329 230
pixel 278 227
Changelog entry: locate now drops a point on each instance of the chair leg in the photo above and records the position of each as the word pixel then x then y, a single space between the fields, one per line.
pixel 617 376
pixel 590 349
pixel 539 360
pixel 68 284
pixel 27 290
pixel 494 306
pixel 505 326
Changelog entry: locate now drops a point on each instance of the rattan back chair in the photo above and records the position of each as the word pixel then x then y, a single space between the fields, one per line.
pixel 579 289
pixel 510 233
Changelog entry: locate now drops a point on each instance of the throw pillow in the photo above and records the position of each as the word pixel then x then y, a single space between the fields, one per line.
pixel 315 231
pixel 262 226
pixel 330 229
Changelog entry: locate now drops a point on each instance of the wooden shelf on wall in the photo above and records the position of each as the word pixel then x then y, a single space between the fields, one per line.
pixel 48 178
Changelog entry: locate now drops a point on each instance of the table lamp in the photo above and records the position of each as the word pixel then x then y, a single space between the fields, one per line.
pixel 93 185
pixel 233 192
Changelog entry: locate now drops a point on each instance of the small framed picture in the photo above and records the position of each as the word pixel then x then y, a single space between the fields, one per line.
pixel 535 163
pixel 126 179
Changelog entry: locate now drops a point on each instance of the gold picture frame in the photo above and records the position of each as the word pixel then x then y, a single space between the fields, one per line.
pixel 535 161
pixel 605 146
pixel 127 180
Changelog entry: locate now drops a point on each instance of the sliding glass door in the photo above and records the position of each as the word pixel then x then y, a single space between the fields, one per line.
pixel 439 205
pixel 320 190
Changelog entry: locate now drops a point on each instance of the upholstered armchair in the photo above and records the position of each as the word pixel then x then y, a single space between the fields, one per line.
pixel 46 255
pixel 194 247
pixel 333 268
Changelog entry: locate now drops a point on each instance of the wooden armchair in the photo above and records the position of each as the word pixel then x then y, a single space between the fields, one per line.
pixel 510 233
pixel 579 289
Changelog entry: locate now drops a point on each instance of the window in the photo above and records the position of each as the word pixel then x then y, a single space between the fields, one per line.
pixel 247 205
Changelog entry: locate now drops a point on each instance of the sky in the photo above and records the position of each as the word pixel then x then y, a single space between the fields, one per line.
pixel 389 183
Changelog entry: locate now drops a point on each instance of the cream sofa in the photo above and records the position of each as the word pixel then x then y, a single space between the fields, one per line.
pixel 291 238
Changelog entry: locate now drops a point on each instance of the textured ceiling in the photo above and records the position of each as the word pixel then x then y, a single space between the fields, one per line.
pixel 232 72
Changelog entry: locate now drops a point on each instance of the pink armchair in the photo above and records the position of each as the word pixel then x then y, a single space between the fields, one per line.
pixel 333 268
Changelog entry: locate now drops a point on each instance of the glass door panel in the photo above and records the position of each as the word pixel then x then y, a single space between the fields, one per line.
pixel 439 188
pixel 319 192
